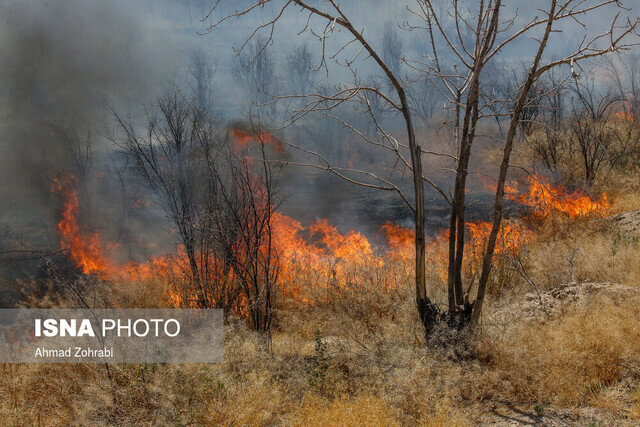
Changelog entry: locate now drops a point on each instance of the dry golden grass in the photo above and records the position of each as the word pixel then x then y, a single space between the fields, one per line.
pixel 584 358
pixel 581 254
pixel 568 361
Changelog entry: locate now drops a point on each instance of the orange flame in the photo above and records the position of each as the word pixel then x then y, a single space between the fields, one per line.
pixel 87 249
pixel 400 241
pixel 546 199
pixel 242 138
pixel 511 237
pixel 84 248
pixel 318 254
pixel 623 116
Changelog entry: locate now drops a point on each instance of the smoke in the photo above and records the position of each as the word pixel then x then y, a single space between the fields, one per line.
pixel 59 62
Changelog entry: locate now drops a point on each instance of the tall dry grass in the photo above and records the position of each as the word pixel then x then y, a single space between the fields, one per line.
pixel 570 361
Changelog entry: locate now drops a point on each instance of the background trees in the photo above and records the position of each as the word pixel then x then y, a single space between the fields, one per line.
pixel 300 69
pixel 582 130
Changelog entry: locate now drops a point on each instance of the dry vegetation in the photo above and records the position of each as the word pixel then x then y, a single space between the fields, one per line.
pixel 357 354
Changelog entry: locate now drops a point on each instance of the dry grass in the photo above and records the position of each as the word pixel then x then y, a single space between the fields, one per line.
pixel 585 358
pixel 581 254
pixel 569 361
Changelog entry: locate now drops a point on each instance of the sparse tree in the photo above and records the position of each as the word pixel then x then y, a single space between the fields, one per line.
pixel 167 157
pixel 392 49
pixel 79 147
pixel 424 100
pixel 240 218
pixel 201 72
pixel 254 69
pixel 300 69
pixel 624 72
pixel 473 36
pixel 547 135
pixel 221 203
pixel 601 143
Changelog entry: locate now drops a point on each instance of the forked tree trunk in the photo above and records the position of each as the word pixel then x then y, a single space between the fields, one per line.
pixel 459 308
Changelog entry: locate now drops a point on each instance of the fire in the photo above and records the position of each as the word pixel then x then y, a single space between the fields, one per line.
pixel 85 248
pixel 400 241
pixel 624 111
pixel 352 246
pixel 545 199
pixel 623 116
pixel 89 252
pixel 242 138
pixel 511 237
pixel 320 250
pixel 319 256
pixel 325 241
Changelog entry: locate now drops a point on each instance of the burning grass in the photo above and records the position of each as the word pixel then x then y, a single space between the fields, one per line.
pixel 319 258
pixel 545 199
pixel 373 367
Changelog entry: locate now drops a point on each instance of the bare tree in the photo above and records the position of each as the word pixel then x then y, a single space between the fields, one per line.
pixel 241 221
pixel 600 141
pixel 624 72
pixel 168 158
pixel 163 158
pixel 254 69
pixel 220 201
pixel 424 100
pixel 79 147
pixel 546 132
pixel 300 69
pixel 201 72
pixel 491 34
pixel 474 36
pixel 392 48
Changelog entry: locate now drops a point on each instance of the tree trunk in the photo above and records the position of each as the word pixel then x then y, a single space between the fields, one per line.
pixel 504 166
pixel 427 311
pixel 457 314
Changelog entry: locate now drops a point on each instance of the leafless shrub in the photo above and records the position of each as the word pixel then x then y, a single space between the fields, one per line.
pixel 219 201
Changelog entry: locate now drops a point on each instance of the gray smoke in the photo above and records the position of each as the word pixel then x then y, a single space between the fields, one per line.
pixel 59 62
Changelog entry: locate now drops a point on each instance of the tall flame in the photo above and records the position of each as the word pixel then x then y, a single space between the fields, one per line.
pixel 320 253
pixel 87 249
pixel 84 248
pixel 544 199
